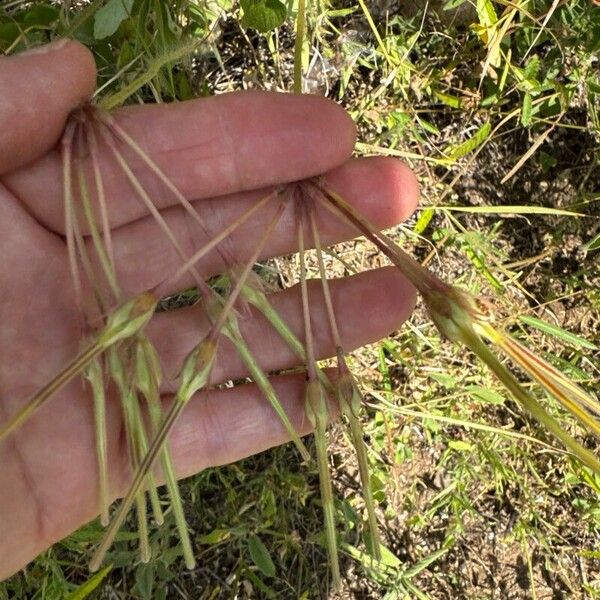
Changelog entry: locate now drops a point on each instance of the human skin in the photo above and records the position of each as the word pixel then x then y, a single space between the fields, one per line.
pixel 222 153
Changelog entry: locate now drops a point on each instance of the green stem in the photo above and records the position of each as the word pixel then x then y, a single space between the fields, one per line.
pixel 101 252
pixel 259 299
pixel 317 411
pixel 177 505
pixel 473 341
pixel 67 162
pixel 124 322
pixel 142 449
pixel 196 375
pixel 94 375
pixel 151 393
pixel 140 496
pixel 348 405
pixel 145 466
pixel 360 448
pixel 231 330
pixel 327 497
pixel 298 46
pixel 142 519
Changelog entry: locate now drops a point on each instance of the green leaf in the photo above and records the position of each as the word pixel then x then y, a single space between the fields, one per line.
pixel 526 110
pixel 486 12
pixel 448 99
pixel 260 556
pixel 423 220
pixel 144 580
pixel 460 445
pixel 41 15
pixel 473 142
pixel 215 536
pixel 444 379
pixel 547 161
pixel 388 558
pixel 515 209
pixel 427 126
pixel 9 32
pixel 263 15
pixel 266 591
pixel 110 16
pixel 423 564
pixel 593 244
pixel 452 4
pixel 485 394
pixel 85 589
pixel 558 332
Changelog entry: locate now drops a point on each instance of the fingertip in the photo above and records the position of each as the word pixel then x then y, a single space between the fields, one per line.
pixel 384 294
pixel 398 297
pixel 403 189
pixel 307 135
pixel 40 88
pixel 335 127
pixel 83 67
pixel 384 189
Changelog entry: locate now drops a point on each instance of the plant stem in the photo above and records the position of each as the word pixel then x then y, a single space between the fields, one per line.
pixel 218 239
pixel 348 397
pixel 552 380
pixel 199 366
pixel 317 411
pixel 147 202
pixel 299 46
pixel 134 427
pixel 126 321
pixel 148 382
pixel 425 281
pixel 101 196
pixel 472 340
pixel 231 330
pixel 112 125
pixel 95 376
pixel 67 162
pixel 105 262
pixel 257 298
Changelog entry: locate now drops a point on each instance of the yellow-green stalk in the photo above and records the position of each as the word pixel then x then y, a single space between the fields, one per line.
pixel 147 377
pixel 348 397
pixel 463 318
pixel 95 376
pixel 195 375
pixel 316 409
pixel 232 331
pixel 225 317
pixel 253 294
pixel 137 447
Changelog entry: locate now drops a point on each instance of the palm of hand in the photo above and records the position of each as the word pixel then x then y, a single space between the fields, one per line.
pixel 48 477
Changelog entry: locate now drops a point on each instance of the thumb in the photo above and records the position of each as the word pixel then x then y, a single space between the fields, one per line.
pixel 38 90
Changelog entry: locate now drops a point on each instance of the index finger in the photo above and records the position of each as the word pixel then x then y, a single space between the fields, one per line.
pixel 206 147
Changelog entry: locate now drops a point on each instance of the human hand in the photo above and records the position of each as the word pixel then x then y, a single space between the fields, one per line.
pixel 221 153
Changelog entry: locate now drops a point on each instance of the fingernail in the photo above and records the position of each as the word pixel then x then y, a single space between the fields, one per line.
pixel 46 48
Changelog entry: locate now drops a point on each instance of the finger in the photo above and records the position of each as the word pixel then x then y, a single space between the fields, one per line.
pixel 227 425
pixel 383 189
pixel 214 429
pixel 368 306
pixel 206 147
pixel 39 89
